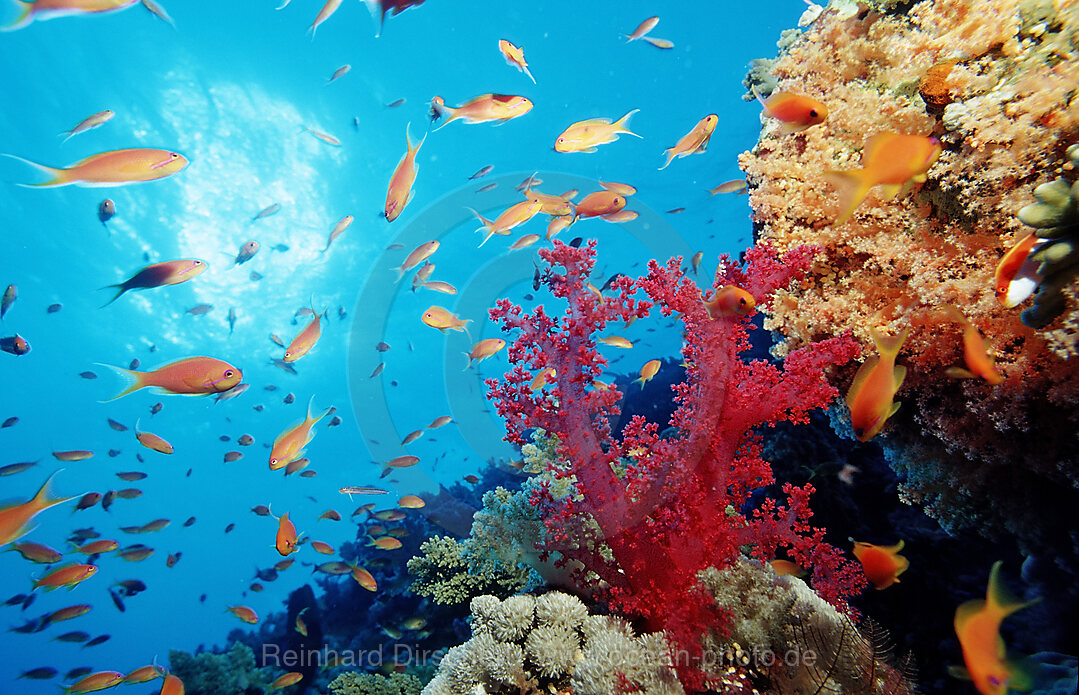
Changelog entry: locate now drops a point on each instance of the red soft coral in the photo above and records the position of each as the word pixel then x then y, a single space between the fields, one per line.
pixel 667 508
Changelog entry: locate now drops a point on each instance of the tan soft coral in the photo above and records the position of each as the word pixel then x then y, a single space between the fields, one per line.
pixel 1014 109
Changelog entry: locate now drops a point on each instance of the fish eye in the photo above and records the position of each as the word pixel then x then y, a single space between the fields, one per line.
pixel 228 373
pixel 742 300
pixel 813 113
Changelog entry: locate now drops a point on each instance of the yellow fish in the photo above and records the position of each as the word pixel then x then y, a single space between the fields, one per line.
pixel 694 141
pixel 290 444
pixel 515 56
pixel 15 518
pixel 443 319
pixel 584 136
pixel 891 160
pixel 871 397
pixel 112 168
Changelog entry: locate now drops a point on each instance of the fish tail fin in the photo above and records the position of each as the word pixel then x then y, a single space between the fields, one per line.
pixel 59 176
pixel 45 498
pixel 121 289
pixel 670 158
pixel 622 124
pixel 377 14
pixel 853 187
pixel 408 141
pixel 440 110
pixel 758 95
pixel 997 596
pixel 464 327
pixel 888 345
pixel 138 383
pixel 26 15
pixel 470 359
pixel 953 313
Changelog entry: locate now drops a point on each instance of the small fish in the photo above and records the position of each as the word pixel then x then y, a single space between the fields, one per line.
pixel 481 351
pixel 1016 276
pixel 524 242
pixel 882 564
pixel 324 137
pixel 40 673
pixel 9 422
pixel 15 345
pixel 399 191
pixel 131 476
pixel 509 219
pixel 190 521
pixel 796 112
pixel 134 363
pixel 735 186
pixel 156 408
pixel 244 613
pixel 515 56
pixel 395 103
pixel 440 286
pixel 11 293
pixel 289 399
pixel 616 341
pixel 325 13
pixel 420 254
pixel 53 308
pixel 160 275
pixel 695 262
pixel 600 204
pixel 334 421
pixel 585 136
pixel 648 372
pixel 88 375
pixel 67 576
pixel 403 462
pixel 643 28
pixel 339 73
pixel 286 536
pixel 482 172
pixel 411 437
pixel 871 396
pixel 231 318
pixel 152 441
pixel 729 300
pixel 443 319
pixel 665 44
pixel 385 543
pixel 411 502
pixel 359 490
pixel 364 578
pixel 696 140
pixel 276 341
pixel 440 421
pixel 113 168
pixel 189 376
pixel 13 468
pixel 161 14
pixel 245 440
pixel 979 363
pixel 89 123
pixel 267 211
pixel 37 553
pixel 291 443
pixel 292 677
pixel 675 211
pixel 233 392
pixel 892 160
pixel 338 230
pixel 101 680
pixel 73 455
pixel 144 674
pixel 377 370
pixel 488 187
pixel 255 276
pixel 485 108
pixel 471 479
pixel 106 210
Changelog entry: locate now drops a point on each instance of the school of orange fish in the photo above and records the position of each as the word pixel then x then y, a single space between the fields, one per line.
pixel 893 161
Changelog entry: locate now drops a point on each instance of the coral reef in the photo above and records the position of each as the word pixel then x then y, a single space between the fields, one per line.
pixel 529 644
pixel 643 515
pixel 352 683
pixel 228 673
pixel 973 455
pixel 451 571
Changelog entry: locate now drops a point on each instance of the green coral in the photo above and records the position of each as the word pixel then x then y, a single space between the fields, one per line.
pixel 228 673
pixel 1055 218
pixel 449 573
pixel 352 683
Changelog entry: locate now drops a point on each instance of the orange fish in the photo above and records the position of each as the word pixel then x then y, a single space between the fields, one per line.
pixel 101 680
pixel 152 441
pixel 736 186
pixel 47 9
pixel 74 455
pixel 891 160
pixel 321 547
pixel 510 218
pixel 159 275
pixel 515 56
pixel 599 204
pixel 144 674
pixel 306 339
pixel 440 421
pixel 113 168
pixel 411 502
pixel 730 300
pixel 979 363
pixel 543 377
pixel 244 613
pixel 418 255
pixel 484 349
pixel 649 370
pixel 385 543
pixel 524 242
pixel 444 319
pixel 36 552
pixel 482 109
pixel 550 204
pixel 882 564
pixel 285 680
pixel 193 376
pixel 69 576
pixel 331 514
pixel 290 444
pixel 286 536
pixel 98 547
pixel 15 518
pixel 795 111
pixel 872 393
pixel 977 625
pixel 786 567
pixel 585 136
pixel 1017 276
pixel 411 437
pixel 642 29
pixel 696 140
pixel 399 192
pixel 172 686
pixel 616 341
pixel 364 578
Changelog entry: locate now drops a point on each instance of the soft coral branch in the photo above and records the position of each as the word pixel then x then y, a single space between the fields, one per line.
pixel 667 508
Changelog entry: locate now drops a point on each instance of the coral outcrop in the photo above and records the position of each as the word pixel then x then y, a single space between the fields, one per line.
pixel 228 673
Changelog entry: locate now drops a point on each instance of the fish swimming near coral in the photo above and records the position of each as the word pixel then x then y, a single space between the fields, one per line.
pixel 112 168
pixel 882 564
pixel 871 397
pixel 891 160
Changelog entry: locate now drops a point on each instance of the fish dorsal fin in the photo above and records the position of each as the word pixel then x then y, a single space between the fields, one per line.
pixel 873 145
pixel 594 121
pixel 898 375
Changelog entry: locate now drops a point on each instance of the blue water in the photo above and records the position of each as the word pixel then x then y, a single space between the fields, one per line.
pixel 231 87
